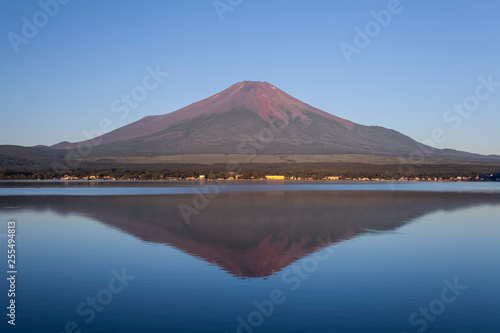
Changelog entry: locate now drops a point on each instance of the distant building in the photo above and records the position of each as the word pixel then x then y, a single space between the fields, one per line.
pixel 333 177
pixel 201 177
pixel 275 177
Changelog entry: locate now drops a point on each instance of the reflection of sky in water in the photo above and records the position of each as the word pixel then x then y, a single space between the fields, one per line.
pixel 371 282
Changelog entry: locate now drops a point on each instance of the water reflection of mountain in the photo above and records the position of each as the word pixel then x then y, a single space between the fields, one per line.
pixel 255 234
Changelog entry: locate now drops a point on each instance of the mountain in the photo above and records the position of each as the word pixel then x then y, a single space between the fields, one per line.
pixel 254 118
pixel 241 110
pixel 252 122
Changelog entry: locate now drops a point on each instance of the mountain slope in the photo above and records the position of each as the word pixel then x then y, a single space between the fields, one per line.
pixel 251 117
pixel 246 120
pixel 260 98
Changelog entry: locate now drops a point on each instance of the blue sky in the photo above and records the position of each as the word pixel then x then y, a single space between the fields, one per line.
pixel 63 80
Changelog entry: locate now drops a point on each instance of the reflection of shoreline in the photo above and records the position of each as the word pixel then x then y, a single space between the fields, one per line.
pixel 199 181
pixel 255 234
pixel 383 185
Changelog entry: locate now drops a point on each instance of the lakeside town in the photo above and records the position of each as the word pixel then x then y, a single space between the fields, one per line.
pixel 283 178
pixel 234 176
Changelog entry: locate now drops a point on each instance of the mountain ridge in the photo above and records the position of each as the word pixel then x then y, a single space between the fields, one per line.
pixel 262 98
pixel 218 124
pixel 247 119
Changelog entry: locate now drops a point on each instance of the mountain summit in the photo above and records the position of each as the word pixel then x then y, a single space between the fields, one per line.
pixel 261 98
pixel 221 123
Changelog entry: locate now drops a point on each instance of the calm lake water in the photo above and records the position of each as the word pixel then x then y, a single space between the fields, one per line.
pixel 258 257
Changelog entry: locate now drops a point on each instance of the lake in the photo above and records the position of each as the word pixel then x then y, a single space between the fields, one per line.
pixel 253 256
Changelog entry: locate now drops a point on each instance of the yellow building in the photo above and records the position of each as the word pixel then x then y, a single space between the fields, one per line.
pixel 275 177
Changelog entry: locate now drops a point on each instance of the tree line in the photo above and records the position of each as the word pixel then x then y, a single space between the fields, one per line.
pixel 258 171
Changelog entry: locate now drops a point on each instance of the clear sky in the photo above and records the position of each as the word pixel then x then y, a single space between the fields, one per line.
pixel 404 73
